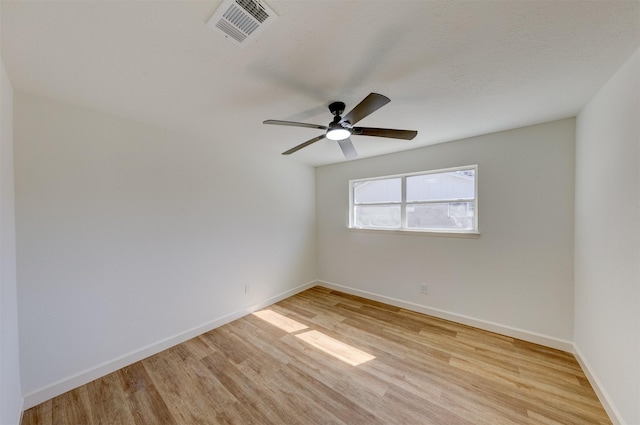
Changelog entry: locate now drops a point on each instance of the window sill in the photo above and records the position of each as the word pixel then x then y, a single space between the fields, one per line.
pixel 444 234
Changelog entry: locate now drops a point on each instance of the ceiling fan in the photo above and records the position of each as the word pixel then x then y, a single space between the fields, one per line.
pixel 342 128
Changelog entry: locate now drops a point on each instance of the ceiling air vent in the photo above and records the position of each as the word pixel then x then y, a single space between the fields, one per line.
pixel 241 21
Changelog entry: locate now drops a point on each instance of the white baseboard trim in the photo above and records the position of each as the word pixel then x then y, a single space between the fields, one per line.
pixel 66 384
pixel 19 412
pixel 60 387
pixel 545 340
pixel 603 396
pixel 459 318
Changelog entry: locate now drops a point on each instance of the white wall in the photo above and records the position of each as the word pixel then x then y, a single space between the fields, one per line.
pixel 10 393
pixel 131 238
pixel 516 278
pixel 607 240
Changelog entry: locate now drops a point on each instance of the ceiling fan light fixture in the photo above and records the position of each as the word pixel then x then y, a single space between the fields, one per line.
pixel 337 132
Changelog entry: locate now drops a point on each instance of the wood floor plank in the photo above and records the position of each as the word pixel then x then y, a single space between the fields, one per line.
pixel 107 401
pixel 287 366
pixel 399 403
pixel 71 408
pixel 188 389
pixel 144 401
pixel 40 414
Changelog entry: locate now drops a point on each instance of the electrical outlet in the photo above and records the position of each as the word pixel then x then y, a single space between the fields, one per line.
pixel 423 288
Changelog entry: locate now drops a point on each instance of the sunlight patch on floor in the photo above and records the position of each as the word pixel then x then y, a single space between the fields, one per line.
pixel 280 321
pixel 337 349
pixel 322 342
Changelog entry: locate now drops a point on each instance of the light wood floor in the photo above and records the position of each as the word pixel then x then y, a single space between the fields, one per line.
pixel 324 357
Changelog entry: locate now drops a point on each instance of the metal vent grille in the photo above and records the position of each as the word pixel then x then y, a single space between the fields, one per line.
pixel 241 21
pixel 256 10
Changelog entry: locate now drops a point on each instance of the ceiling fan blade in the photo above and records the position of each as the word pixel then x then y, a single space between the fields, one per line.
pixel 295 124
pixel 304 145
pixel 385 132
pixel 369 105
pixel 347 148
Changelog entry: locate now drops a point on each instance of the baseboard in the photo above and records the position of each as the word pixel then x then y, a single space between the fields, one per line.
pixel 60 387
pixel 548 341
pixel 459 318
pixel 19 412
pixel 603 396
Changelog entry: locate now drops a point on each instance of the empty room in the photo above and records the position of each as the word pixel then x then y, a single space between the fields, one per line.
pixel 319 212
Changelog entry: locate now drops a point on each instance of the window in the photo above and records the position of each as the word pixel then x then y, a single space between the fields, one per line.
pixel 430 201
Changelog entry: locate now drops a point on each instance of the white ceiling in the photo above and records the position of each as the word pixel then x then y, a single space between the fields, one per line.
pixel 452 69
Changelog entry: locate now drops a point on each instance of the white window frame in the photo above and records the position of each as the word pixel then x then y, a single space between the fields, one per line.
pixel 403 205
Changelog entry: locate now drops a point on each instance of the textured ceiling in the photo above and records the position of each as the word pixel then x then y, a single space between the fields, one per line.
pixel 452 69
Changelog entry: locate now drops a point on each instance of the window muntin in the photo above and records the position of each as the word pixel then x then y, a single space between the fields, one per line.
pixel 436 201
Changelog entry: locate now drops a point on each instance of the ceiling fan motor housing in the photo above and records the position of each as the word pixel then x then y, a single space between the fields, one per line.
pixel 338 129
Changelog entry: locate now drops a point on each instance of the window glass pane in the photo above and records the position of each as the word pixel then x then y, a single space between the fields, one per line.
pixel 387 190
pixel 379 216
pixel 445 215
pixel 441 186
